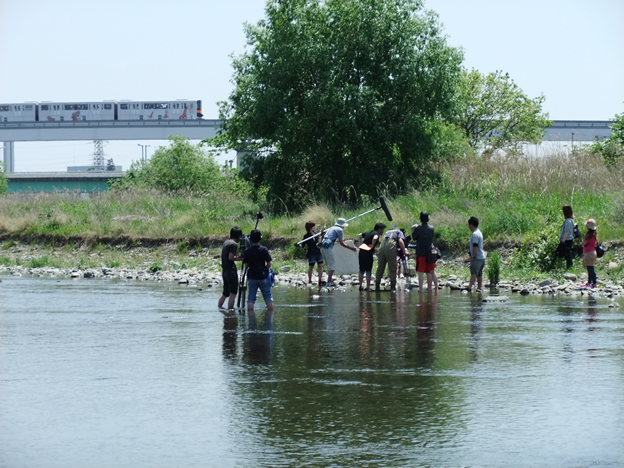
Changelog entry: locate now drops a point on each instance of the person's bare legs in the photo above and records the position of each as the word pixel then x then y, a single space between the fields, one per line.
pixel 320 273
pixel 231 299
pixel 479 282
pixel 421 276
pixel 429 280
pixel 310 270
pixel 472 282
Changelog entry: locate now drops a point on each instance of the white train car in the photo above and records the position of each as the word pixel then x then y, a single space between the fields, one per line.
pixel 159 110
pixel 76 111
pixel 24 112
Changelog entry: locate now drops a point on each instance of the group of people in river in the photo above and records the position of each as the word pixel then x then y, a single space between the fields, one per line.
pixel 390 245
pixel 392 248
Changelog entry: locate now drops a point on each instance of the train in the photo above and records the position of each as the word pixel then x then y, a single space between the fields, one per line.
pixel 100 111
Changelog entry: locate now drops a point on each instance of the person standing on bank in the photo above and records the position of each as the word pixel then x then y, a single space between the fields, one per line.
pixel 332 235
pixel 228 267
pixel 423 237
pixel 387 254
pixel 566 236
pixel 477 255
pixel 314 255
pixel 258 261
pixel 590 242
pixel 370 240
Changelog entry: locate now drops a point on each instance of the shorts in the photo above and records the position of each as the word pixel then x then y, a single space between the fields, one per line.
pixel 315 258
pixel 330 260
pixel 476 266
pixel 366 262
pixel 265 288
pixel 230 282
pixel 422 266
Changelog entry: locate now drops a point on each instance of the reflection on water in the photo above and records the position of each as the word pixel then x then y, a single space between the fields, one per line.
pixel 127 374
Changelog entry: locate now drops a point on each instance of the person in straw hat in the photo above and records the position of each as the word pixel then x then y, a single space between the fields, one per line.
pixel 332 235
pixel 590 242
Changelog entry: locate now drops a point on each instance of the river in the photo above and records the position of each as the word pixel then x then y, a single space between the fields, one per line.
pixel 104 373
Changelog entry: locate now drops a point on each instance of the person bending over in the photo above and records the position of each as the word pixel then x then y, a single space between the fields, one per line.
pixel 370 240
pixel 332 235
pixel 388 255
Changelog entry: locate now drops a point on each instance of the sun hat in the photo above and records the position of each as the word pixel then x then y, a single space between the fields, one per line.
pixel 341 222
pixel 590 224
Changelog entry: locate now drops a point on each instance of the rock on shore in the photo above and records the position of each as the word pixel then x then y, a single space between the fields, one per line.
pixel 212 279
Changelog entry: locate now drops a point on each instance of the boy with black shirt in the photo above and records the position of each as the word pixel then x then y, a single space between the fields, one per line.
pixel 314 255
pixel 258 261
pixel 228 266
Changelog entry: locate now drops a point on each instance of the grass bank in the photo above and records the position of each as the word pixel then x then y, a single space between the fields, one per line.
pixel 517 199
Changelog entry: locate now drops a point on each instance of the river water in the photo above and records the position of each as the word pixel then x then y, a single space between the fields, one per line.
pixel 101 373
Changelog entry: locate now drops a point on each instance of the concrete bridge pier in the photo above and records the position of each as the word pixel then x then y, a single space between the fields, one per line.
pixel 9 157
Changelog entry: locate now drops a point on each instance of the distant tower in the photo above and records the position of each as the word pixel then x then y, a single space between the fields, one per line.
pixel 99 163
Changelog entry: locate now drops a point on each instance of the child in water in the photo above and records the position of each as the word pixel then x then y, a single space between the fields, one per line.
pixel 314 255
pixel 590 242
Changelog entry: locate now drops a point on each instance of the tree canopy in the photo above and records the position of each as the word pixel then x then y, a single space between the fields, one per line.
pixel 337 99
pixel 612 149
pixel 181 166
pixel 494 113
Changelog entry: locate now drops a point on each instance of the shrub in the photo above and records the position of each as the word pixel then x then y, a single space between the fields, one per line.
pixel 539 250
pixel 494 267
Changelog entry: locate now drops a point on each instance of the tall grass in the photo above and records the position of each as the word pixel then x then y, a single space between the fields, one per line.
pixel 515 197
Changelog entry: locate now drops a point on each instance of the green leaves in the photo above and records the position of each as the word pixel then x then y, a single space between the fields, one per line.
pixel 4 183
pixel 494 113
pixel 338 98
pixel 180 167
pixel 612 149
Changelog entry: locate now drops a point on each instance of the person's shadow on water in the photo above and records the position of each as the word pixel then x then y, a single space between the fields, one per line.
pixel 258 343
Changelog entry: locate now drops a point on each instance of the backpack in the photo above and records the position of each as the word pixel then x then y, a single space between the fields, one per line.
pixel 600 250
pixel 577 232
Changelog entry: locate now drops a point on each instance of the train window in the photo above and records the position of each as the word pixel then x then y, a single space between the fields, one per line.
pixel 156 105
pixel 108 106
pixel 123 106
pixel 44 107
pixel 95 106
pixel 76 106
pixel 5 108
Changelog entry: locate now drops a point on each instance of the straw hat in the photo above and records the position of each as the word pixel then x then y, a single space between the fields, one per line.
pixel 590 224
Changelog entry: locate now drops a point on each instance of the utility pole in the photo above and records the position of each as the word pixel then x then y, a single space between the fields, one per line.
pixel 99 163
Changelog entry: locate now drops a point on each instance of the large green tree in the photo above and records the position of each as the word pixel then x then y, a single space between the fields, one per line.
pixel 336 99
pixel 494 113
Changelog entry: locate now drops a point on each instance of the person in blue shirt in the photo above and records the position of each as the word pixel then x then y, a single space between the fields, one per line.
pixel 258 261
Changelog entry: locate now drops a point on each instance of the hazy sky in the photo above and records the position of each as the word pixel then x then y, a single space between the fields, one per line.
pixel 73 50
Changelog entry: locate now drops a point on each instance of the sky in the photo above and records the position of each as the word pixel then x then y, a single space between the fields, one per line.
pixel 77 50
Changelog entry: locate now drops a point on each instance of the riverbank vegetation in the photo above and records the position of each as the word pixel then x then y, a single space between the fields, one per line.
pixel 517 198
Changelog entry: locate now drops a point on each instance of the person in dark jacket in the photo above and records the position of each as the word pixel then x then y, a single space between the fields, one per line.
pixel 423 237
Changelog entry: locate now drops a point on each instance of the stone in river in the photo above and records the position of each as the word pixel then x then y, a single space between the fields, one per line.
pixel 495 299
